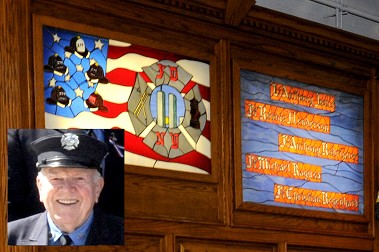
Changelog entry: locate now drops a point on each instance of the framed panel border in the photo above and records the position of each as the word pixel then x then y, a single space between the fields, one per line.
pixel 190 186
pixel 249 214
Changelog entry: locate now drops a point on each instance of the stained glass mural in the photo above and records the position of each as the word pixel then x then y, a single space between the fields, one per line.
pixel 302 145
pixel 161 99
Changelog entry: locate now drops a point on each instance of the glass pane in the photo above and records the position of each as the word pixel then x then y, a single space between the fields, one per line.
pixel 302 145
pixel 161 99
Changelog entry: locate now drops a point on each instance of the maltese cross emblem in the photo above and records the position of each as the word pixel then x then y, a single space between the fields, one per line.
pixel 69 141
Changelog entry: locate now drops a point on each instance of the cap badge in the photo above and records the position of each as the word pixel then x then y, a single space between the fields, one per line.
pixel 69 141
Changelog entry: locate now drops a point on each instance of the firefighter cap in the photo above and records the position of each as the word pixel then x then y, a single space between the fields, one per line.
pixel 69 150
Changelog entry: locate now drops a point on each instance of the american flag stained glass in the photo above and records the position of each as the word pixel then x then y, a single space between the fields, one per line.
pixel 161 99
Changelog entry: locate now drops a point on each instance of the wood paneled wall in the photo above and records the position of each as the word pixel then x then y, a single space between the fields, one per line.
pixel 176 211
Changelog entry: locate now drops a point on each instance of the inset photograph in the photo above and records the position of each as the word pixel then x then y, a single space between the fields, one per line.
pixel 65 187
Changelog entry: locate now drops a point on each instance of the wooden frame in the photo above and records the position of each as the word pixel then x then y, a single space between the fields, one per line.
pixel 205 187
pixel 256 39
pixel 260 215
pixel 41 21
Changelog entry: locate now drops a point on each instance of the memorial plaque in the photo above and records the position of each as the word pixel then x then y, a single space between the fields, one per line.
pixel 301 145
pixel 160 99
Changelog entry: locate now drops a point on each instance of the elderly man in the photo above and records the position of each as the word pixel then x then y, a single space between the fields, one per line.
pixel 69 182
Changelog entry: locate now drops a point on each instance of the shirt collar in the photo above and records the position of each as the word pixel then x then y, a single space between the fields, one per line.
pixel 78 236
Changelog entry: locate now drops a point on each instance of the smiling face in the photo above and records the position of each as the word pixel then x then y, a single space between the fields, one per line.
pixel 69 194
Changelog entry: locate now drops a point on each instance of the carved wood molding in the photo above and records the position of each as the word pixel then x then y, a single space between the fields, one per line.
pixel 236 10
pixel 242 16
pixel 224 20
pixel 190 8
pixel 308 39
